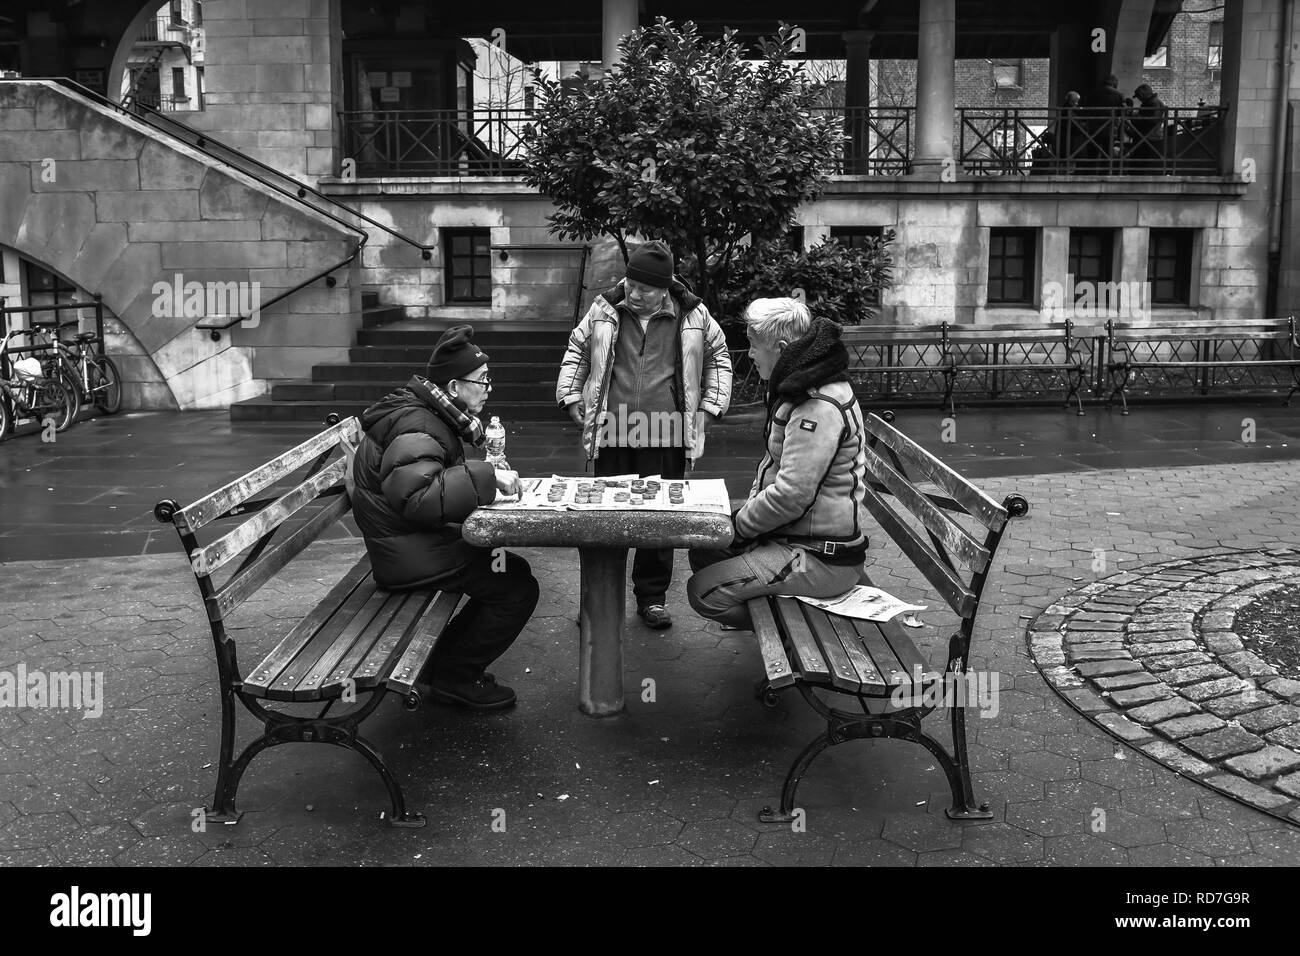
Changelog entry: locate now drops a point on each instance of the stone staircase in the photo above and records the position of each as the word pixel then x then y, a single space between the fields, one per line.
pixel 525 359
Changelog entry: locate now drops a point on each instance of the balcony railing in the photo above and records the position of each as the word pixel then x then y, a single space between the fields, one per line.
pixel 167 102
pixel 486 142
pixel 1090 142
pixel 161 30
pixel 878 141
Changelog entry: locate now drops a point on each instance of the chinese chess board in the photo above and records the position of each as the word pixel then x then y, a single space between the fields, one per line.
pixel 622 492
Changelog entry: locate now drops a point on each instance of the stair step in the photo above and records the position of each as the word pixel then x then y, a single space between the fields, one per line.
pixel 369 298
pixel 264 408
pixel 373 391
pixel 546 357
pixel 399 373
pixel 438 325
pixel 375 316
pixel 391 336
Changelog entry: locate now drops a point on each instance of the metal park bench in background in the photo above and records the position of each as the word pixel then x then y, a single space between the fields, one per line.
pixel 875 663
pixel 358 640
pixel 1203 356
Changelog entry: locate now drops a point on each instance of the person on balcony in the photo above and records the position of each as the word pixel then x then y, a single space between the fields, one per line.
pixel 803 528
pixel 1147 126
pixel 414 488
pixel 1106 109
pixel 1071 134
pixel 646 354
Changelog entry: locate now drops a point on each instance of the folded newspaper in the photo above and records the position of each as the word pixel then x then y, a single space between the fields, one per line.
pixel 861 601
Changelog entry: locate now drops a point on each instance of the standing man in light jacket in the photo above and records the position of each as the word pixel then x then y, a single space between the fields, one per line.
pixel 803 528
pixel 645 373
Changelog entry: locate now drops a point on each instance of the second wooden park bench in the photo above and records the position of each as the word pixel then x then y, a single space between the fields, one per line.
pixel 1267 343
pixel 358 643
pixel 876 666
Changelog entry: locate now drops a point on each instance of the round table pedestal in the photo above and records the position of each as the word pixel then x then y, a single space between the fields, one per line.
pixel 600 626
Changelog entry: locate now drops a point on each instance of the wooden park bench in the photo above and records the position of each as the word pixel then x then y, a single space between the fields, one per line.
pixel 876 665
pixel 1215 346
pixel 358 642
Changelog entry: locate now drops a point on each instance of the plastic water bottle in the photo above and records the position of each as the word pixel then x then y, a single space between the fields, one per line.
pixel 496 444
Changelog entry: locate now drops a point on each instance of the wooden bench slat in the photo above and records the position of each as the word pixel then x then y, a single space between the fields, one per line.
pixel 284 652
pixel 843 674
pixel 775 662
pixel 366 666
pixel 979 505
pixel 222 551
pixel 909 655
pixel 211 506
pixel 956 539
pixel 287 664
pixel 427 630
pixel 809 658
pixel 237 590
pixel 882 655
pixel 869 676
pixel 366 626
pixel 946 581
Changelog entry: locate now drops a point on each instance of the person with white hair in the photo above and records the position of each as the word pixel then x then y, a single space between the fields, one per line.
pixel 803 528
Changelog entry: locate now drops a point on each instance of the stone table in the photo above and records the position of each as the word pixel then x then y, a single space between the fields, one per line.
pixel 602 539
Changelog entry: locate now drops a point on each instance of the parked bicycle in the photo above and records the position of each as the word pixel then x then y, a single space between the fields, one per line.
pixel 87 376
pixel 26 392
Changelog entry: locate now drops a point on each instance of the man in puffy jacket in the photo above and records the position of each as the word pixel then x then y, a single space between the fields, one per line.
pixel 645 372
pixel 413 490
pixel 803 528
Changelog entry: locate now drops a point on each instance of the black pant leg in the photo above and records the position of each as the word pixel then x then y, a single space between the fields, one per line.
pixel 499 606
pixel 652 568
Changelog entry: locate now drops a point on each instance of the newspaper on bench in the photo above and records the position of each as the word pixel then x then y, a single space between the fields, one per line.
pixel 863 602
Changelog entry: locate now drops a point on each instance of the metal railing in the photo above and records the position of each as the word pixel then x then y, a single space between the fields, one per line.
pixel 1090 142
pixel 483 142
pixel 877 140
pixel 162 30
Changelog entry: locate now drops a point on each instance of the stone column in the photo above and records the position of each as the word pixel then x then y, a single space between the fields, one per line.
pixel 935 58
pixel 857 98
pixel 618 19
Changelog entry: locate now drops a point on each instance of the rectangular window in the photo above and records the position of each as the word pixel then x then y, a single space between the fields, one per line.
pixel 1091 255
pixel 1158 60
pixel 178 83
pixel 1011 266
pixel 1214 54
pixel 468 265
pixel 1169 266
pixel 1007 75
pixel 795 238
pixel 198 13
pixel 177 15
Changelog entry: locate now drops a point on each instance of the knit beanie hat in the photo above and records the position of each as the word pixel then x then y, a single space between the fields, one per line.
pixel 455 355
pixel 652 263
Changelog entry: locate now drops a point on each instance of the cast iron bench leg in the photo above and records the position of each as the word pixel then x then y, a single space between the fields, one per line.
pixel 600 637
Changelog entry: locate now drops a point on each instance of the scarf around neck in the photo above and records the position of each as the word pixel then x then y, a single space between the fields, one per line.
pixel 453 410
pixel 816 358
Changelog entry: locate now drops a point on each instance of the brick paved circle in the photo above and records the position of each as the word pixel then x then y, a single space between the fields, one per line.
pixel 1152 657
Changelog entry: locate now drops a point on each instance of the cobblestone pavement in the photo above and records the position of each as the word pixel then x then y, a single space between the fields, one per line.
pixel 677 779
pixel 1152 654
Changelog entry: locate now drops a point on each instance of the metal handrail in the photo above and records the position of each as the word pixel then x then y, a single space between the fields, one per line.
pixel 504 247
pixel 203 140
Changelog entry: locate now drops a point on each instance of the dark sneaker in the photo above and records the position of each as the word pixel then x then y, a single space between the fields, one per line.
pixel 655 616
pixel 482 693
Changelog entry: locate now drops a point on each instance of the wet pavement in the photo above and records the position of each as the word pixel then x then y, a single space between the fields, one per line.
pixel 678 778
pixel 91 492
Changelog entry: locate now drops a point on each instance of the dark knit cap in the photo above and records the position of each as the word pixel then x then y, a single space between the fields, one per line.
pixel 652 264
pixel 455 355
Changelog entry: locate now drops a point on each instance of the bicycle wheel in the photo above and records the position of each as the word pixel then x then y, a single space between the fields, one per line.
pixel 52 401
pixel 73 388
pixel 6 416
pixel 105 384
